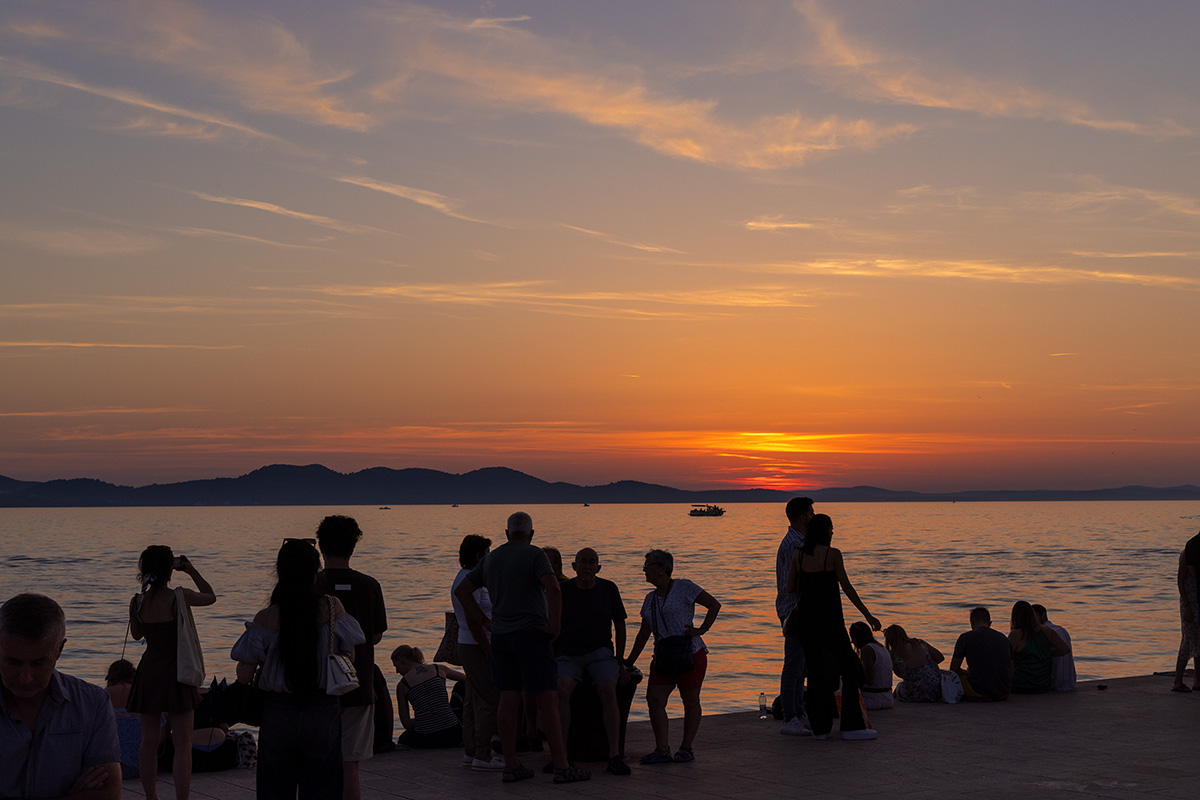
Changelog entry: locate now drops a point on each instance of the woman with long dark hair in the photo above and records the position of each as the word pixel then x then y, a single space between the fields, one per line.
pixel 815 574
pixel 299 748
pixel 155 690
pixel 1034 646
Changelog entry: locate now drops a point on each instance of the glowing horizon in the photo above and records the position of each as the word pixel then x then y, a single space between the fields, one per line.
pixel 918 245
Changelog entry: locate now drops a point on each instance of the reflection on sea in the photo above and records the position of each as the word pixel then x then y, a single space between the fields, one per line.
pixel 1105 570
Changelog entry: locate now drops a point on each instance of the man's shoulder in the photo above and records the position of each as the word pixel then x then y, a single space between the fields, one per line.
pixel 607 584
pixel 78 691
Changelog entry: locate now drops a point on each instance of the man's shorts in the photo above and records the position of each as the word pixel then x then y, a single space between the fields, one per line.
pixel 600 665
pixel 523 660
pixel 693 679
pixel 358 732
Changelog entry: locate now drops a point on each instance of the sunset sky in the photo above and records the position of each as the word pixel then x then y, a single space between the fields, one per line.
pixel 921 245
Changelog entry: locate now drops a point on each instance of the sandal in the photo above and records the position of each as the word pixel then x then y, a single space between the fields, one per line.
pixel 683 755
pixel 572 774
pixel 659 756
pixel 519 774
pixel 1180 688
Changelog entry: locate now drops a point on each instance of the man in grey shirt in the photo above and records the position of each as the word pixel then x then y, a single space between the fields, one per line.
pixel 58 735
pixel 526 619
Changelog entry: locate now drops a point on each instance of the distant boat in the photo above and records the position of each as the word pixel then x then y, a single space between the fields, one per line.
pixel 454 506
pixel 705 510
pixel 385 508
pixel 587 505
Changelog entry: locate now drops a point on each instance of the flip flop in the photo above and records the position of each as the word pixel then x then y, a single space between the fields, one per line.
pixel 1180 688
pixel 519 774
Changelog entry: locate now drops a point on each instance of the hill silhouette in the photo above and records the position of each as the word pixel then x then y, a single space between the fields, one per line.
pixel 314 484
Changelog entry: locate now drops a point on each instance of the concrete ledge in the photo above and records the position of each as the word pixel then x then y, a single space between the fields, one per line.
pixel 1134 740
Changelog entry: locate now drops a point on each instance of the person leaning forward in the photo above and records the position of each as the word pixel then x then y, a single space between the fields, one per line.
pixel 58 735
pixel 526 619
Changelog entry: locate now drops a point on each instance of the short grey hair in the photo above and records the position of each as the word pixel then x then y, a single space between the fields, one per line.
pixel 32 617
pixel 662 557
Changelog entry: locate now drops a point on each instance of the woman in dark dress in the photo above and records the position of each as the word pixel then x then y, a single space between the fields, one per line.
pixel 155 691
pixel 815 574
pixel 1034 647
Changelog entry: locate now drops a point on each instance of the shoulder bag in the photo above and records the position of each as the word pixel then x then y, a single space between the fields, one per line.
pixel 189 667
pixel 672 654
pixel 447 651
pixel 340 675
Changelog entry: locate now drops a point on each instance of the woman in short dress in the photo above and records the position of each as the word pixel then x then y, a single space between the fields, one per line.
pixel 154 691
pixel 1034 646
pixel 432 722
pixel 915 662
pixel 818 576
pixel 300 738
pixel 669 611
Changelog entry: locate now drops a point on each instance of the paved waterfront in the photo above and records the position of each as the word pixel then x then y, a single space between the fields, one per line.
pixel 1134 740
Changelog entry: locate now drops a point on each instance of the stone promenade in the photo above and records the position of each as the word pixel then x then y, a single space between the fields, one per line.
pixel 1134 739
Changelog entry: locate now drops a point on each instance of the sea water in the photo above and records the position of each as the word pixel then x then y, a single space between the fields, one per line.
pixel 1105 570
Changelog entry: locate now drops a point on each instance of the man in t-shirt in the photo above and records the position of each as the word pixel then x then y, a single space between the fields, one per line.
pixel 989 657
pixel 362 596
pixel 591 611
pixel 526 619
pixel 58 735
pixel 1062 668
pixel 799 510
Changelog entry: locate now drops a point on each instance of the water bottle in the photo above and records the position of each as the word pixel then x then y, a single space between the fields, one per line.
pixel 762 705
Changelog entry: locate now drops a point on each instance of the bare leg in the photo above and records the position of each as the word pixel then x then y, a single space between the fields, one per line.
pixel 691 714
pixel 350 786
pixel 1180 666
pixel 507 716
pixel 611 716
pixel 148 753
pixel 566 687
pixel 181 767
pixel 547 703
pixel 656 703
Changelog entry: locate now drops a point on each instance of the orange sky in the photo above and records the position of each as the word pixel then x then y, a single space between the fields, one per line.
pixel 920 245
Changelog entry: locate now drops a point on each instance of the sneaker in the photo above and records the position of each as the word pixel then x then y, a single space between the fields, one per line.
pixel 495 765
pixel 820 737
pixel 617 766
pixel 795 727
pixel 468 760
pixel 860 735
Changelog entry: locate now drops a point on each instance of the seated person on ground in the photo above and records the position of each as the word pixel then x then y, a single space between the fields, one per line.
pixel 432 723
pixel 915 662
pixel 877 668
pixel 1062 668
pixel 1034 647
pixel 988 674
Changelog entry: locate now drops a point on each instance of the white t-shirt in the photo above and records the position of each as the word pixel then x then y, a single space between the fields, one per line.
pixel 1062 668
pixel 670 615
pixel 481 597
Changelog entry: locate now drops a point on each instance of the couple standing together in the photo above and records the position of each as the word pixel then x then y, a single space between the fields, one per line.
pixel 808 574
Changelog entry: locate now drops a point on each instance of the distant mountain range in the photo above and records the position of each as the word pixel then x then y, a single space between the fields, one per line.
pixel 288 485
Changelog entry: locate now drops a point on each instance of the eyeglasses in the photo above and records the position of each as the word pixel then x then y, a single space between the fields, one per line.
pixel 288 540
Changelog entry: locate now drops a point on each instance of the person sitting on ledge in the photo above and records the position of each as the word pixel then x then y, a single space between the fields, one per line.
pixel 988 675
pixel 877 668
pixel 1062 668
pixel 1033 647
pixel 915 663
pixel 432 723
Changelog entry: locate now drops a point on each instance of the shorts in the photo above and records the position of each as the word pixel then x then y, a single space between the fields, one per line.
pixel 688 680
pixel 523 660
pixel 600 666
pixel 358 732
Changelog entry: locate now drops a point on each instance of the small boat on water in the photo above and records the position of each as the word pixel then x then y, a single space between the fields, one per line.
pixel 705 510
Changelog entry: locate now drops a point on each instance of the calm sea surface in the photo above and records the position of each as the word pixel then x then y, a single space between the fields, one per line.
pixel 1105 570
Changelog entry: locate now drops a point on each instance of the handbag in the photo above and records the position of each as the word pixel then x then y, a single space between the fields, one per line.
pixel 672 654
pixel 340 675
pixel 189 667
pixel 952 688
pixel 447 651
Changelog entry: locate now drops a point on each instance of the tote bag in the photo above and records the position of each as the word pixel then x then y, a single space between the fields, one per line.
pixel 189 658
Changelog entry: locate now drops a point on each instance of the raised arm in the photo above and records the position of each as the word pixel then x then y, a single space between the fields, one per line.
pixel 849 591
pixel 205 596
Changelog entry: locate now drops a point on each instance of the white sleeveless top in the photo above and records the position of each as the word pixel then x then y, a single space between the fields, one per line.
pixel 883 668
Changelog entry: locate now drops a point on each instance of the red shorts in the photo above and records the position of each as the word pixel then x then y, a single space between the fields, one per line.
pixel 688 680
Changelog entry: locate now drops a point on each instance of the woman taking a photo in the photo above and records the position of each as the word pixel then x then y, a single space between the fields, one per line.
pixel 669 613
pixel 815 575
pixel 299 745
pixel 155 690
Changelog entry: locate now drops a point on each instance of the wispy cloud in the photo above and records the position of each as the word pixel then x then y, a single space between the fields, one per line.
pixel 197 124
pixel 438 202
pixel 776 222
pixel 120 346
pixel 877 75
pixel 1098 195
pixel 208 233
pixel 101 412
pixel 272 208
pixel 78 240
pixel 646 248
